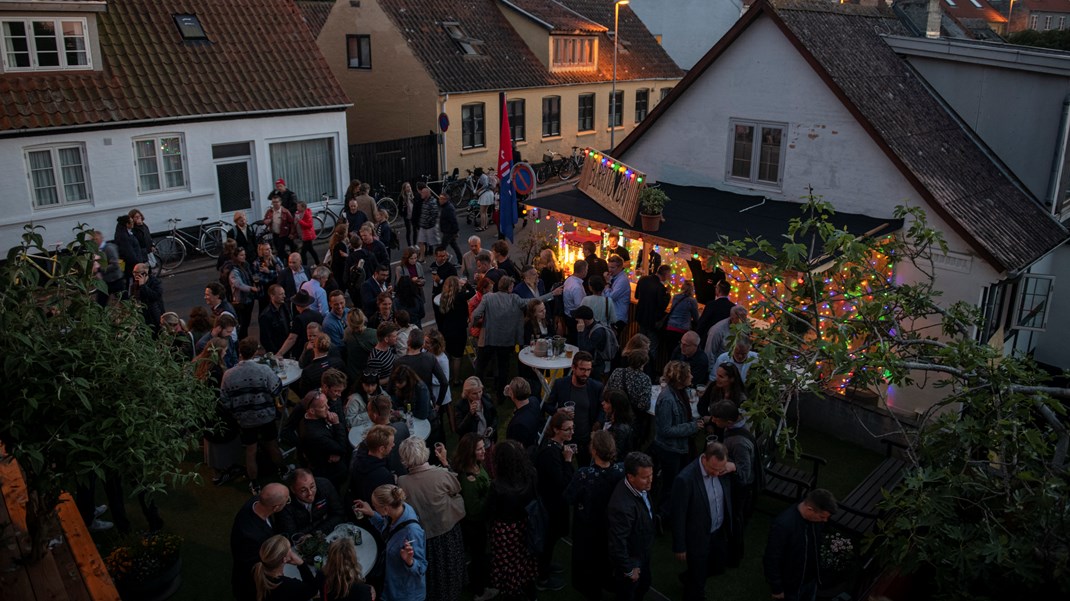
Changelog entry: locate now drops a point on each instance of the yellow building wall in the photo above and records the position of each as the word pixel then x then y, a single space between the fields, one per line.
pixel 396 98
pixel 533 147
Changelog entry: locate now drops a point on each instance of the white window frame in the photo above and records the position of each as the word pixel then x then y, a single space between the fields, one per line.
pixel 158 160
pixel 474 126
pixel 1043 306
pixel 59 182
pixel 359 59
pixel 756 149
pixel 31 44
pixel 645 94
pixel 1033 22
pixel 570 53
pixel 1047 22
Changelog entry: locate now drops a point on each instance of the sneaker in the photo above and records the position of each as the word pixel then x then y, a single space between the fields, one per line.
pixel 100 525
pixel 99 511
pixel 553 583
pixel 488 593
pixel 222 478
pixel 254 488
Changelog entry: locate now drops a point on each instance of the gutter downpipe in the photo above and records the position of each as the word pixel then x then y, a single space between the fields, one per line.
pixel 442 142
pixel 1060 157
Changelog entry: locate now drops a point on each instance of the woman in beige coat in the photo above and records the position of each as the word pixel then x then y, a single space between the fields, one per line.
pixel 435 494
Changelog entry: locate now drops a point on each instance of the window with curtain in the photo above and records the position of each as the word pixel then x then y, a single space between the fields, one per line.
pixel 307 166
pixel 472 132
pixel 58 175
pixel 45 44
pixel 161 163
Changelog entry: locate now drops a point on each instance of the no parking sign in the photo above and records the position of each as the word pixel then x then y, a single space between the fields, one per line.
pixel 523 179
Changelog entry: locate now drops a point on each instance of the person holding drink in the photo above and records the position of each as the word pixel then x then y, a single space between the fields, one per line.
pixel 403 538
pixel 553 464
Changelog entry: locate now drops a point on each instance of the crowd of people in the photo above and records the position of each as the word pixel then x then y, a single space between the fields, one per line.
pixel 588 459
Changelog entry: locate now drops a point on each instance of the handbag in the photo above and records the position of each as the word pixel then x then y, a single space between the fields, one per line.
pixel 661 323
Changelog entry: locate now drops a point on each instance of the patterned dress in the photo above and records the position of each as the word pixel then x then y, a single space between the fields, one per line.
pixel 513 568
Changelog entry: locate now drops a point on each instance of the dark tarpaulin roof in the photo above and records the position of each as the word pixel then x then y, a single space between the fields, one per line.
pixel 698 216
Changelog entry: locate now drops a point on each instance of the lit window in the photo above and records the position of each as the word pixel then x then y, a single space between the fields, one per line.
pixel 573 52
pixel 616 109
pixel 1033 302
pixel 57 175
pixel 472 126
pixel 190 27
pixel 585 116
pixel 45 44
pixel 161 164
pixel 756 152
pixel 551 116
pixel 642 101
pixel 359 51
pixel 515 110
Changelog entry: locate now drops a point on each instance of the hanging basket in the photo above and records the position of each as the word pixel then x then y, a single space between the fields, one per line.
pixel 651 223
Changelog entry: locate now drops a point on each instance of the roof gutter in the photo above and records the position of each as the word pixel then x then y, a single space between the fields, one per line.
pixel 1060 158
pixel 40 131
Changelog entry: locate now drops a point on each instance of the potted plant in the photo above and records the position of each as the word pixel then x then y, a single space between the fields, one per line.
pixel 651 208
pixel 147 567
pixel 837 561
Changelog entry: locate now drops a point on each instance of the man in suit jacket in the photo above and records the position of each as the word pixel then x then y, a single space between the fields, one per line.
pixel 705 525
pixel 631 528
pixel 253 525
pixel 651 299
pixel 314 506
pixel 372 288
pixel 586 393
pixel 291 279
pixel 714 311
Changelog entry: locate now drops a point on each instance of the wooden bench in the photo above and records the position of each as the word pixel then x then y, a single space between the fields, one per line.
pixel 858 511
pixel 786 482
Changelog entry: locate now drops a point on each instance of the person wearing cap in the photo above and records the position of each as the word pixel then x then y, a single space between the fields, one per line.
pixel 304 314
pixel 286 196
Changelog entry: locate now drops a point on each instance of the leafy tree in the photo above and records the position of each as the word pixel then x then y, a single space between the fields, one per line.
pixel 985 506
pixel 1056 39
pixel 88 390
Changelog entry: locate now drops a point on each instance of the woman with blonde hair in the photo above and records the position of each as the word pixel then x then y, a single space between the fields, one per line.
pixel 343 580
pixel 338 250
pixel 405 547
pixel 435 494
pixel 271 584
pixel 359 341
pixel 675 426
pixel 182 342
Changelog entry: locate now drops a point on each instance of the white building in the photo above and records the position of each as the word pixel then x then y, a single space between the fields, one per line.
pixel 182 109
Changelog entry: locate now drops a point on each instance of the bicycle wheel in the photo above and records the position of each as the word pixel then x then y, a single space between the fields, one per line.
pixel 456 194
pixel 542 173
pixel 323 223
pixel 171 252
pixel 387 204
pixel 568 169
pixel 212 241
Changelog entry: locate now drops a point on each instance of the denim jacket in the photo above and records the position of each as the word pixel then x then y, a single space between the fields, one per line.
pixel 403 582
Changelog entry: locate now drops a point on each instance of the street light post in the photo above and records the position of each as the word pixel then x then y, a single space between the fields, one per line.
pixel 613 92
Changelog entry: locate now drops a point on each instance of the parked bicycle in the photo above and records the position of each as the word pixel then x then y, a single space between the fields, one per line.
pixel 324 220
pixel 386 203
pixel 171 249
pixel 554 163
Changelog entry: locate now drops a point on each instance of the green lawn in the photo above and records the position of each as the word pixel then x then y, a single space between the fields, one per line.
pixel 202 514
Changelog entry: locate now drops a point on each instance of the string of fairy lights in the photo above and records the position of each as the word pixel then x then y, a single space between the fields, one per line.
pixel 842 292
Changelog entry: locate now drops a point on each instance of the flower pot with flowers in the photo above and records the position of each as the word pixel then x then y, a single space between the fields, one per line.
pixel 837 561
pixel 148 567
pixel 652 207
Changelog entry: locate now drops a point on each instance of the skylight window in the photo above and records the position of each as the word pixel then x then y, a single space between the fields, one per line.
pixel 975 3
pixel 467 44
pixel 190 27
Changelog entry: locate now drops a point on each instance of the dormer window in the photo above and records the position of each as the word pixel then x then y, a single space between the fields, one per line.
pixel 45 44
pixel 573 53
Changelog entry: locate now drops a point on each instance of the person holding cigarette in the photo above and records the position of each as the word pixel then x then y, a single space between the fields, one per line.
pixel 403 537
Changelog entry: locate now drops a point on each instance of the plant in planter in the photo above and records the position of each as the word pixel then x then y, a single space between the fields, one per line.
pixel 651 207
pixel 146 566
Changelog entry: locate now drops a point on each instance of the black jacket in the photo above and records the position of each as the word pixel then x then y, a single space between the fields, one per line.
pixel 286 280
pixel 150 294
pixel 525 424
pixel 714 311
pixel 468 422
pixel 369 292
pixel 318 441
pixel 447 221
pixel 366 473
pixel 652 298
pixel 791 555
pixel 245 238
pixel 691 514
pixel 326 512
pixel 274 327
pixel 246 535
pixel 631 530
pixel 561 392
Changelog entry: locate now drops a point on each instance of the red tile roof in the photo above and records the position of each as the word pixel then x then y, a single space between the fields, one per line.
pixel 965 9
pixel 556 16
pixel 505 61
pixel 316 13
pixel 259 58
pixel 974 193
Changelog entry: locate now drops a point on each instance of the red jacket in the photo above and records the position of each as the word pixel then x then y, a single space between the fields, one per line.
pixel 286 225
pixel 305 221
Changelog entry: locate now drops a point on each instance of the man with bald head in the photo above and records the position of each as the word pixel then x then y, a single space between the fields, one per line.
pixel 254 524
pixel 690 353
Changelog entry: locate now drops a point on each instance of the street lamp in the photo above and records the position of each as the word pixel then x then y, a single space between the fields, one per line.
pixel 613 93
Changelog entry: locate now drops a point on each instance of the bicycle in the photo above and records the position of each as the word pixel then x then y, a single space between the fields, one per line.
pixel 576 159
pixel 385 203
pixel 554 163
pixel 171 250
pixel 324 220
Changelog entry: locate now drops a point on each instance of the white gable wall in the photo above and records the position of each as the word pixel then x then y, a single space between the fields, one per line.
pixel 109 156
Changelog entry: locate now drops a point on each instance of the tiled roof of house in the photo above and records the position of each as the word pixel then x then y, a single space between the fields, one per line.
pixel 1047 6
pixel 505 62
pixel 316 13
pixel 975 9
pixel 259 58
pixel 555 16
pixel 974 193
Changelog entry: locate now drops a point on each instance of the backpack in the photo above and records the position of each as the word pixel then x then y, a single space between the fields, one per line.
pixel 355 277
pixel 612 346
pixel 759 457
pixel 538 523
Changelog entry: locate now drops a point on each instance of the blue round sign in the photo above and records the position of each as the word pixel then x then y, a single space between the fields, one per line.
pixel 523 178
pixel 444 122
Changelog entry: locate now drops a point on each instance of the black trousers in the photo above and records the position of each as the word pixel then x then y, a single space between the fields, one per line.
pixel 500 355
pixel 666 465
pixel 702 566
pixel 625 589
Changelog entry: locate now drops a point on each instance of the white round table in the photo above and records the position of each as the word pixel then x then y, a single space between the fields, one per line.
pixel 547 368
pixel 291 371
pixel 420 428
